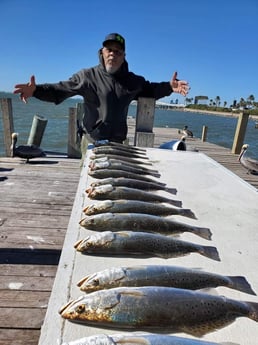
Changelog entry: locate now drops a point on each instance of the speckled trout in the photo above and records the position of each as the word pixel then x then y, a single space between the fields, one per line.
pixel 121 166
pixel 133 183
pixel 125 206
pixel 118 151
pixel 124 147
pixel 141 244
pixel 120 161
pixel 160 309
pixel 141 222
pixel 122 158
pixel 139 339
pixel 104 173
pixel 113 193
pixel 161 275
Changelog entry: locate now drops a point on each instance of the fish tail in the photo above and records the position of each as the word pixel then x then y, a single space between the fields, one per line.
pixel 253 310
pixel 154 174
pixel 203 232
pixel 210 252
pixel 187 213
pixel 177 203
pixel 171 190
pixel 241 284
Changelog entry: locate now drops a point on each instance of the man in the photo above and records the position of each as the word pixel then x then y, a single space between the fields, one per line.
pixel 107 90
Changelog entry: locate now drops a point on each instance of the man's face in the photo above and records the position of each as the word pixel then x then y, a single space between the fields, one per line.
pixel 113 56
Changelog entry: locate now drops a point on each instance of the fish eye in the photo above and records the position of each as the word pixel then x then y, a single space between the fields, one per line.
pixel 80 309
pixel 96 282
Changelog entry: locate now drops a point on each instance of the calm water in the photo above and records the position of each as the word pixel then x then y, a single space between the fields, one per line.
pixel 221 129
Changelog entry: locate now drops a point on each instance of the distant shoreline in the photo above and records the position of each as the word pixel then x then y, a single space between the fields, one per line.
pixel 218 113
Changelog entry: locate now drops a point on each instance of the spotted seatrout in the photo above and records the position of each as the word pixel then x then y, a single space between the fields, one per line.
pixel 125 206
pixel 141 244
pixel 124 147
pixel 120 161
pixel 93 165
pixel 141 222
pixel 123 158
pixel 118 151
pixel 104 173
pixel 113 193
pixel 159 309
pixel 161 275
pixel 133 183
pixel 139 339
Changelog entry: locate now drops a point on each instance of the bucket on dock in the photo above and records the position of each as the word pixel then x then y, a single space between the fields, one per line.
pixel 174 145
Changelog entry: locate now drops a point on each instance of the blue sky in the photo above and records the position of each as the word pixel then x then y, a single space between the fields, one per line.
pixel 212 44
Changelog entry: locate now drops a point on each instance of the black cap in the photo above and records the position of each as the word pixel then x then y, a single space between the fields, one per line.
pixel 115 37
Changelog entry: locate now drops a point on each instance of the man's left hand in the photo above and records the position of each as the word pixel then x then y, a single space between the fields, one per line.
pixel 179 86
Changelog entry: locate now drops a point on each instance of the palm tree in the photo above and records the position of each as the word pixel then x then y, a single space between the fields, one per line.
pixel 242 102
pixel 250 99
pixel 217 100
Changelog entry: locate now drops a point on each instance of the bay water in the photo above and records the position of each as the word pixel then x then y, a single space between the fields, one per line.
pixel 221 129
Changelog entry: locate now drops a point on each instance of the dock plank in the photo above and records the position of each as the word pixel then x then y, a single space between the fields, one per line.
pixel 36 200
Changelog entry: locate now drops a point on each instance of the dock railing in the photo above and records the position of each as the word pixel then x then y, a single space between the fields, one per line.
pixel 144 135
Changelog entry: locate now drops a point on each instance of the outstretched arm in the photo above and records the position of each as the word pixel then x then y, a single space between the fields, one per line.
pixel 26 90
pixel 179 86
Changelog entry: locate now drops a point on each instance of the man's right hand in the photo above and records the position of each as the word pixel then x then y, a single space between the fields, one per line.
pixel 26 90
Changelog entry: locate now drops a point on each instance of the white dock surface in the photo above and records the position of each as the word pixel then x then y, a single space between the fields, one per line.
pixel 221 201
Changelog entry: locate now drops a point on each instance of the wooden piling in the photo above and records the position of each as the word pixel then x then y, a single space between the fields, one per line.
pixel 37 130
pixel 204 133
pixel 8 127
pixel 240 133
pixel 73 146
pixel 144 135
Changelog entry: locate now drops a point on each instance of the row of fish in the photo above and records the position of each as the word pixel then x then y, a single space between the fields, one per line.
pixel 159 298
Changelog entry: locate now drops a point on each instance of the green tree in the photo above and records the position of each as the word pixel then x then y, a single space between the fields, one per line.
pixel 250 99
pixel 217 100
pixel 242 102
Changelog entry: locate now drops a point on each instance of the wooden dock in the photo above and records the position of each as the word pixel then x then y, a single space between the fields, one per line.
pixel 35 205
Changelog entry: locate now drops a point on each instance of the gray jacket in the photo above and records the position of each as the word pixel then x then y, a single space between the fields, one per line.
pixel 106 97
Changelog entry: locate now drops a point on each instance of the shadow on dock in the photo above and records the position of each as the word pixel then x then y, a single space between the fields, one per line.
pixel 24 256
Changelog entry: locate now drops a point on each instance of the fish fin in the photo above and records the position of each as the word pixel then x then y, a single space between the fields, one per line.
pixel 187 213
pixel 171 190
pixel 153 174
pixel 253 313
pixel 210 252
pixel 203 232
pixel 177 203
pixel 241 284
pixel 210 291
